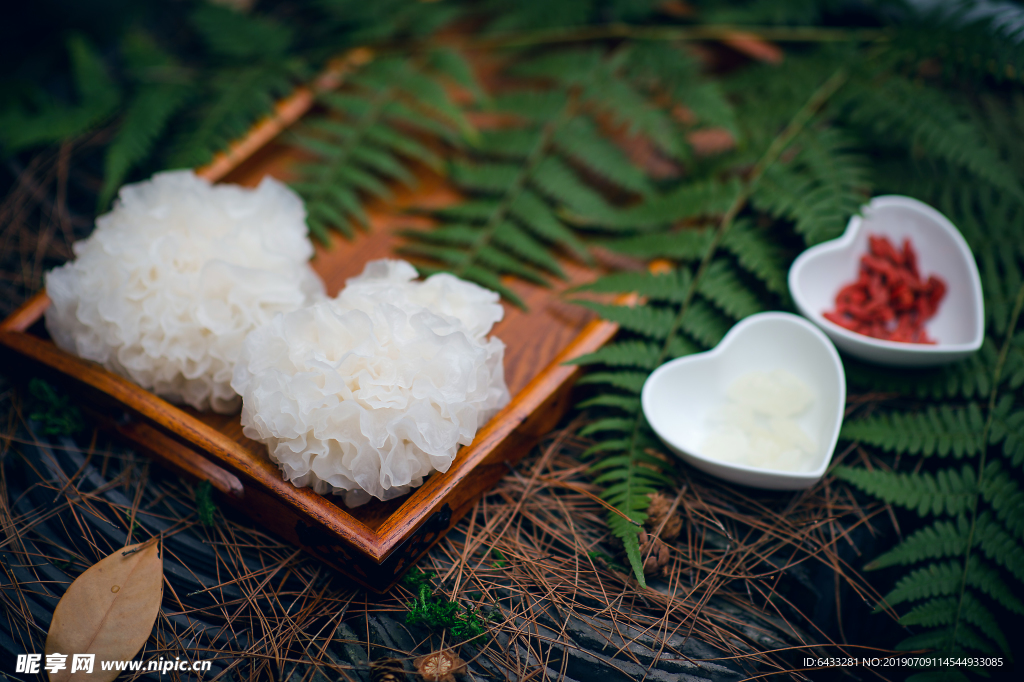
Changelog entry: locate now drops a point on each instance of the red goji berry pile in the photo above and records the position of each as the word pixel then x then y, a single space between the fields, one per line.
pixel 889 300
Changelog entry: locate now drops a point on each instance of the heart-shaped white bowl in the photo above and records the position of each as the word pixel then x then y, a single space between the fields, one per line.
pixel 959 325
pixel 679 396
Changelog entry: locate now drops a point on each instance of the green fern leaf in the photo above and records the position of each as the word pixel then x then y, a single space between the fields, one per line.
pixel 144 120
pixel 607 424
pixel 627 381
pixel 618 98
pixel 1006 498
pixel 474 210
pixel 454 65
pixel 451 235
pixel 613 400
pixel 941 539
pixel 639 354
pixel 686 244
pixel 722 286
pixel 678 346
pixel 647 320
pixel 999 545
pixel 1008 428
pixel 235 98
pixel 819 189
pixel 509 143
pixel 621 463
pixel 704 324
pixel 98 97
pixel 934 580
pixel 670 286
pixel 556 180
pixel 531 105
pixel 584 144
pixel 976 613
pixel 691 200
pixel 941 431
pixel 948 491
pixel 518 242
pixel 629 533
pixel 932 612
pixel 758 255
pixel 491 178
pixel 969 378
pixel 238 35
pixel 664 67
pixel 989 580
pixel 929 122
pixel 498 260
pixel 966 637
pixel 613 445
pixel 530 210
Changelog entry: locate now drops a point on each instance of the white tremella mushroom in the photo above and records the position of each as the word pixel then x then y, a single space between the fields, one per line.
pixel 366 394
pixel 168 285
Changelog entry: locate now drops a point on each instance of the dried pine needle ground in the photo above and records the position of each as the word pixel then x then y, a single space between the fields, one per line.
pixel 533 563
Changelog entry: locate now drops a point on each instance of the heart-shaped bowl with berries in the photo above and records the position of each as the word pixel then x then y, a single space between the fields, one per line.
pixel 900 287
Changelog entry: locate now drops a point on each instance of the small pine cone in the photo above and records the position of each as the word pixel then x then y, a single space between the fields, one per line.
pixel 387 670
pixel 656 552
pixel 657 512
pixel 440 666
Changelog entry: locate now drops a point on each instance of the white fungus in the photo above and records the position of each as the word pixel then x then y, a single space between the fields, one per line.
pixel 168 285
pixel 757 426
pixel 366 394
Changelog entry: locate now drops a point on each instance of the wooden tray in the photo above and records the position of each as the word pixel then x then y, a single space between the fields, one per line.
pixel 375 543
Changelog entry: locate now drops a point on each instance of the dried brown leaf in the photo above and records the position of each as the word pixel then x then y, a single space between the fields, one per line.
pixel 108 611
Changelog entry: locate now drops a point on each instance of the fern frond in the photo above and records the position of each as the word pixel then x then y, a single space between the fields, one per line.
pixel 934 580
pixel 613 400
pixel 655 323
pixel 938 430
pixel 144 120
pixel 235 98
pixel 723 287
pixel 238 35
pixel 535 14
pixel 939 540
pixel 530 210
pixel 520 243
pixel 946 492
pixel 975 612
pixel 999 545
pixel 687 244
pixel 969 378
pixel 1006 498
pixel 758 255
pixel 704 324
pixel 1008 428
pixel 618 424
pixel 639 354
pixel 705 198
pixel 554 179
pixel 664 68
pixel 941 611
pixel 163 89
pixel 582 142
pixel 627 381
pixel 819 189
pixel 924 119
pixel 98 97
pixel 668 286
pixel 374 130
